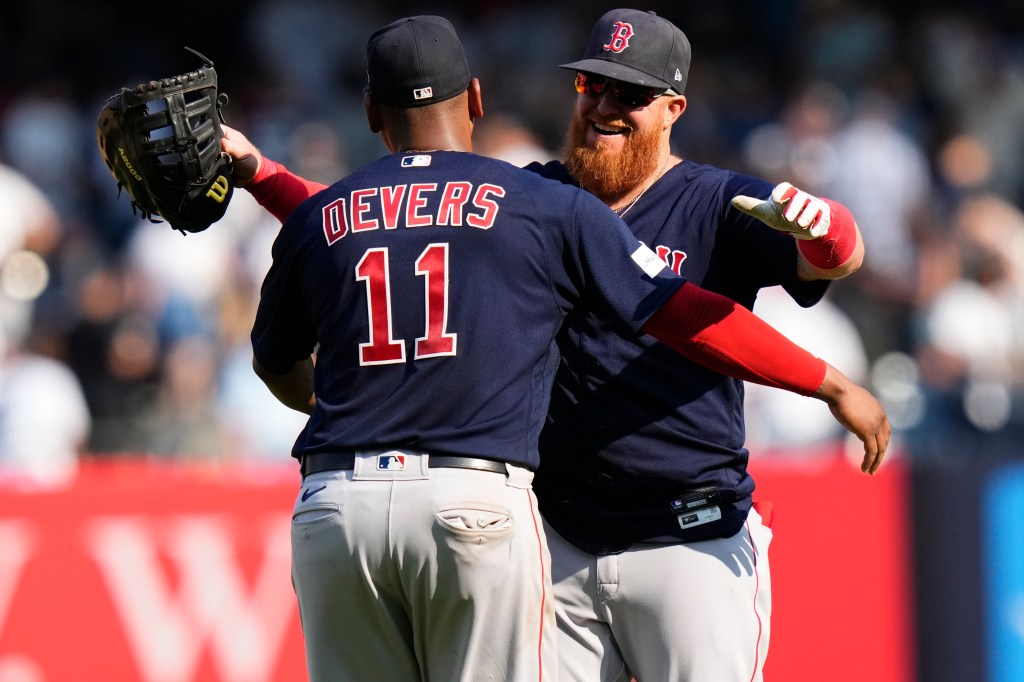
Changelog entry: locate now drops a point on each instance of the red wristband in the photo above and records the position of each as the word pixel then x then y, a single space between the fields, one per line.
pixel 837 245
pixel 722 335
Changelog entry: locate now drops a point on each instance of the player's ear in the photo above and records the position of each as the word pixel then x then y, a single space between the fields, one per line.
pixel 373 117
pixel 675 108
pixel 476 101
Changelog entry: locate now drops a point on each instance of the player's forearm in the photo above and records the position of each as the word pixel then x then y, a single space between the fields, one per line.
pixel 722 335
pixel 294 389
pixel 278 190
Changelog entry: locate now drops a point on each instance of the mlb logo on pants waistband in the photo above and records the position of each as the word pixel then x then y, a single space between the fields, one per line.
pixel 391 461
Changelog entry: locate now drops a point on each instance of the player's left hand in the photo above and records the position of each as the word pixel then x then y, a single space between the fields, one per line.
pixel 789 210
pixel 861 413
pixel 247 158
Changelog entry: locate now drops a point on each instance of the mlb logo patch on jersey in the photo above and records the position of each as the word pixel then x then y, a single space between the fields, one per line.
pixel 417 161
pixel 391 462
pixel 648 260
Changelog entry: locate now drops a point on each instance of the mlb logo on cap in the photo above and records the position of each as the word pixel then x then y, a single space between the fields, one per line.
pixel 422 93
pixel 392 461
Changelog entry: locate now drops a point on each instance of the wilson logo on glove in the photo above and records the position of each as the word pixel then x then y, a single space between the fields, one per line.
pixel 219 189
pixel 161 142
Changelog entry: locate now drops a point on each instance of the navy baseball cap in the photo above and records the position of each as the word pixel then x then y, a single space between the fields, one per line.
pixel 637 47
pixel 416 61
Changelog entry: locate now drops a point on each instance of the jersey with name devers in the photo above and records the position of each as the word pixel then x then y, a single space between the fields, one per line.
pixel 632 427
pixel 432 287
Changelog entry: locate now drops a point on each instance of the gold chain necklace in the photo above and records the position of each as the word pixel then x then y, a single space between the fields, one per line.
pixel 621 211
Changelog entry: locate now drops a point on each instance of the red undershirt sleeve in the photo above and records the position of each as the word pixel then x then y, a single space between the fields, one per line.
pixel 722 335
pixel 278 190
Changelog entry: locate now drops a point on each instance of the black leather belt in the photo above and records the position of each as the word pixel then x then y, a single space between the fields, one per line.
pixel 339 461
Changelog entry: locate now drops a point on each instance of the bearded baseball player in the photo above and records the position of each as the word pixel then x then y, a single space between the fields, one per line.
pixel 658 557
pixel 660 560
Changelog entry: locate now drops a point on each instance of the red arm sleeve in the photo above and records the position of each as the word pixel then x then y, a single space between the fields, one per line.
pixel 278 190
pixel 722 335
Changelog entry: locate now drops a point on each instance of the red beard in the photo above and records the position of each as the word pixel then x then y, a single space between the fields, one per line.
pixel 606 174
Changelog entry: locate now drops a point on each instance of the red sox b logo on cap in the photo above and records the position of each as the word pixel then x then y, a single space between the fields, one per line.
pixel 621 33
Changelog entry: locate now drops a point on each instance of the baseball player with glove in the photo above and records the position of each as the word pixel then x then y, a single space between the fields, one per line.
pixel 686 530
pixel 162 143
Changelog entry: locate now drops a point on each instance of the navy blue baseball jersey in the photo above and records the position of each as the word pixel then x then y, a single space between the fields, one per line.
pixel 432 287
pixel 632 429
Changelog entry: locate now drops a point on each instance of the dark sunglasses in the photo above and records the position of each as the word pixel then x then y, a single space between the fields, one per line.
pixel 624 93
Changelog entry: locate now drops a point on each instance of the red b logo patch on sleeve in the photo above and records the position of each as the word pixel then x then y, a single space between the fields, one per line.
pixel 621 33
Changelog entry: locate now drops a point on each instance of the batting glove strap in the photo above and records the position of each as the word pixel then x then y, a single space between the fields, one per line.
pixel 835 247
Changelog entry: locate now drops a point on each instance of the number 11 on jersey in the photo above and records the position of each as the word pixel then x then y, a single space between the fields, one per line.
pixel 382 348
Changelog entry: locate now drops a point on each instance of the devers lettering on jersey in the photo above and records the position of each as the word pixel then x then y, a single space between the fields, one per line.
pixel 417 204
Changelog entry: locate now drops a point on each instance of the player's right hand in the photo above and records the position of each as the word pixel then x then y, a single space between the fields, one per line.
pixel 247 158
pixel 790 210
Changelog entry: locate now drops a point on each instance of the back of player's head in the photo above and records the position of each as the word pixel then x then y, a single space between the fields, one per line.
pixel 416 61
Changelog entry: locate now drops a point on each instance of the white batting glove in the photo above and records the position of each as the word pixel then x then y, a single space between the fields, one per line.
pixel 789 210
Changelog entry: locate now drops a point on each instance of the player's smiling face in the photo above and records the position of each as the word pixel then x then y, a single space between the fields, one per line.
pixel 608 123
pixel 612 147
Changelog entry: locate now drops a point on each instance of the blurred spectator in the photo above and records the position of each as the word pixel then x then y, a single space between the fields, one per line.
pixel 43 138
pixel 504 137
pixel 184 421
pixel 310 49
pixel 977 74
pixel 181 276
pixel 256 426
pixel 29 224
pixel 799 147
pixel 114 348
pixel 44 420
pixel 29 219
pixel 971 346
pixel 318 151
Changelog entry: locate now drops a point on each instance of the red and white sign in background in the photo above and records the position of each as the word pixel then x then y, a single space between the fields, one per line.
pixel 159 573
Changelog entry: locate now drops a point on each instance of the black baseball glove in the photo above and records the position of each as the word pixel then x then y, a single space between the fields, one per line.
pixel 161 141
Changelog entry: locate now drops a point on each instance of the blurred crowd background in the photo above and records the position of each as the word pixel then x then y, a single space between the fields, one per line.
pixel 123 338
